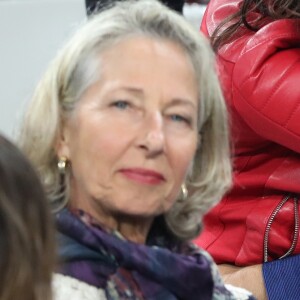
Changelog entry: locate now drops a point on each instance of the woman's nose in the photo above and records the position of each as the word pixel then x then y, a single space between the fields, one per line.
pixel 153 137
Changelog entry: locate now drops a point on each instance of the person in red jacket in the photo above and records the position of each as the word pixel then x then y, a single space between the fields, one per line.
pixel 255 227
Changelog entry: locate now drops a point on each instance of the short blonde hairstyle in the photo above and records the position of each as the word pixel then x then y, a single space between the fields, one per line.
pixel 77 66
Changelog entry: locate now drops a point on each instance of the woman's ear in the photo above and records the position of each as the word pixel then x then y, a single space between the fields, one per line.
pixel 62 148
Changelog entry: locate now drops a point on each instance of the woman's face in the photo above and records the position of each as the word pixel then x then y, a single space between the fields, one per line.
pixel 133 134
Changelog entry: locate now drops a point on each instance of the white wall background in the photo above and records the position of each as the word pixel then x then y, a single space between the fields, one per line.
pixel 31 32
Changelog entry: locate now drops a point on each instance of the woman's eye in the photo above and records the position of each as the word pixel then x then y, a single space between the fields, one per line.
pixel 121 104
pixel 179 119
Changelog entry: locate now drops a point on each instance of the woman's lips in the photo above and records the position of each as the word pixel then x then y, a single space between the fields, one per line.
pixel 145 176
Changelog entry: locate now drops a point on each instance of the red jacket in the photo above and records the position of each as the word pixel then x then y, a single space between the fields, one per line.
pixel 260 75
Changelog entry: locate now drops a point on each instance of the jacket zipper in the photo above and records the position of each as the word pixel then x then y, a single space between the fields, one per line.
pixel 271 220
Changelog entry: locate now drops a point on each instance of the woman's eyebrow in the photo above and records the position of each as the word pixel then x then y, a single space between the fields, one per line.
pixel 133 90
pixel 175 101
pixel 183 101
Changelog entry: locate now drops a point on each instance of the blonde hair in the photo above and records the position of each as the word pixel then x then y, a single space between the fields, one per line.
pixel 76 67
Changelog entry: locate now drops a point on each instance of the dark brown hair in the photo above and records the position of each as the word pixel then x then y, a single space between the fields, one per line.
pixel 264 10
pixel 26 233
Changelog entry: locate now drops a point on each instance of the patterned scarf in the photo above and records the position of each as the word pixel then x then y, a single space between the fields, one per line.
pixel 163 269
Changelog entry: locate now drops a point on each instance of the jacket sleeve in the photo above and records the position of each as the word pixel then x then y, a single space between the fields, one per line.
pixel 266 83
pixel 282 278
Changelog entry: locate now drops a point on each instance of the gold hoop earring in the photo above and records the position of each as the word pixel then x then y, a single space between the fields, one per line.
pixel 61 164
pixel 184 191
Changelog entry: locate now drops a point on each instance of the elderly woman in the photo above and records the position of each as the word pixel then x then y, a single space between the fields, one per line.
pixel 128 131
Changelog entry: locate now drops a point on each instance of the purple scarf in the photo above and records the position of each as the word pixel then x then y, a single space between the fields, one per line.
pixel 163 269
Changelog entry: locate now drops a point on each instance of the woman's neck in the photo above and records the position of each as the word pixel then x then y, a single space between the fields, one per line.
pixel 132 228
